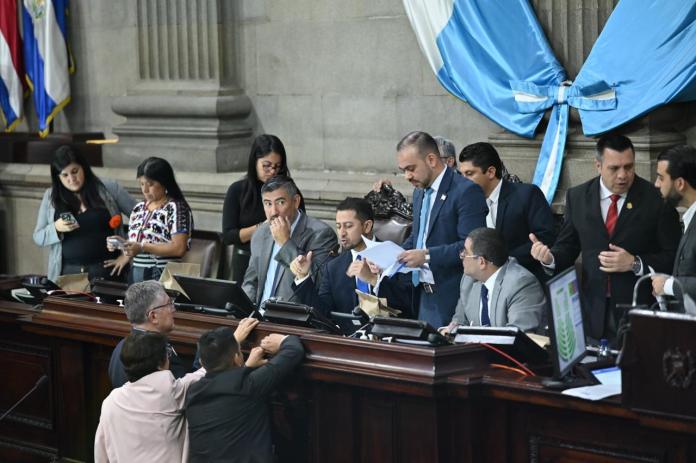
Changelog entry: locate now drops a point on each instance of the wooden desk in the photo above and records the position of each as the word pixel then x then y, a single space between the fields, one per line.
pixel 351 401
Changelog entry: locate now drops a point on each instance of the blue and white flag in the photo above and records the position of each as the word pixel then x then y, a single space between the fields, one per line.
pixel 46 57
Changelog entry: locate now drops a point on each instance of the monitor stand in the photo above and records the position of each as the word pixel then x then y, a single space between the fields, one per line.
pixel 576 378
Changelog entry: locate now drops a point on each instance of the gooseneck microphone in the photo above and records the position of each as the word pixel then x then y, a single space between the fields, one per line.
pixel 39 382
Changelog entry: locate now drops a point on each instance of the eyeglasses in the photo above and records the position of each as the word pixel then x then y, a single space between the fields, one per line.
pixel 169 304
pixel 462 255
pixel 268 167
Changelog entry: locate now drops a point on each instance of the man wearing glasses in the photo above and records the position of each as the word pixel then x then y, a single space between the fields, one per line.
pixel 495 290
pixel 149 309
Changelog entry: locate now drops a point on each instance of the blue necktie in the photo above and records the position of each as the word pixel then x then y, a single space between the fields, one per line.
pixel 422 228
pixel 359 284
pixel 485 319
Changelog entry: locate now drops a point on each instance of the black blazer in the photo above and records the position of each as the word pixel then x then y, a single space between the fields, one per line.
pixel 228 412
pixel 646 227
pixel 685 264
pixel 336 291
pixel 522 209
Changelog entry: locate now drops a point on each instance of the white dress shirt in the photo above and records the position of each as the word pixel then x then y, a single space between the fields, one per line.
pixel 433 197
pixel 489 284
pixel 492 202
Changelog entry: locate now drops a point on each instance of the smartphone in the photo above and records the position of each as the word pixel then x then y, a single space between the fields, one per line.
pixel 116 241
pixel 68 217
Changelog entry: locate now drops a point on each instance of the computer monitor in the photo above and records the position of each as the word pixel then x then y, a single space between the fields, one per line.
pixel 566 329
pixel 219 294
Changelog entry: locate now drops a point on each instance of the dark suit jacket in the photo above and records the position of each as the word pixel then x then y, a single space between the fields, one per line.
pixel 685 264
pixel 228 411
pixel 117 373
pixel 646 227
pixel 336 291
pixel 459 207
pixel 522 209
pixel 309 234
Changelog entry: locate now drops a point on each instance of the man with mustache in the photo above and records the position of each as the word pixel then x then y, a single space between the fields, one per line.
pixel 621 226
pixel 287 233
pixel 676 180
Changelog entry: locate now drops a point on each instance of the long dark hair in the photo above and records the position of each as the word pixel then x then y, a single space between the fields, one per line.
pixel 161 171
pixel 65 200
pixel 262 146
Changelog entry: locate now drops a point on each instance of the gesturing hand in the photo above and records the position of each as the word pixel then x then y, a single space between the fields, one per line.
pixel 280 230
pixel 616 260
pixel 301 265
pixel 361 269
pixel 540 251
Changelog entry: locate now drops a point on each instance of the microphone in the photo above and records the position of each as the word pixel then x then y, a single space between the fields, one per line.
pixel 39 382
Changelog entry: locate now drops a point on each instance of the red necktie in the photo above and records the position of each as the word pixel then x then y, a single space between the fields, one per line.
pixel 612 214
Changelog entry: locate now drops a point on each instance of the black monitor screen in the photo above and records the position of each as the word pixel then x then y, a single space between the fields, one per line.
pixel 215 293
pixel 567 333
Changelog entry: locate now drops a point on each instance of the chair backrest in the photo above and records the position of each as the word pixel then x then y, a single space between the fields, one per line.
pixel 394 229
pixel 206 250
pixel 393 214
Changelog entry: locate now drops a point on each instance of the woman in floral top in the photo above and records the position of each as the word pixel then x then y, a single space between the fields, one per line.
pixel 160 227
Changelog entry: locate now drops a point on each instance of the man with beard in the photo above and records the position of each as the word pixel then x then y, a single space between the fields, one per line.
pixel 676 180
pixel 339 279
pixel 288 233
pixel 621 226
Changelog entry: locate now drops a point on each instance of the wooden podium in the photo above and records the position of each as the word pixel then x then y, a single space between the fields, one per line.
pixel 350 400
pixel 658 368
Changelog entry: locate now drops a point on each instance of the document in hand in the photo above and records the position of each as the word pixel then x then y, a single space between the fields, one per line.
pixel 384 254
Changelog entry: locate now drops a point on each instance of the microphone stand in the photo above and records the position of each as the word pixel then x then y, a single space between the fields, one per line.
pixel 39 382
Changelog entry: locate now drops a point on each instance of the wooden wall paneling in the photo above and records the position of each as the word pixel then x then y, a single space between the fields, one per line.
pixel 70 396
pixel 333 429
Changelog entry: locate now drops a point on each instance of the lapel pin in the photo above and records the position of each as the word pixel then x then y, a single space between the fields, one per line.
pixel 629 205
pixel 443 197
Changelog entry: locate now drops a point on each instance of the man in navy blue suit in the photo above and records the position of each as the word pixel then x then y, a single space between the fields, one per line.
pixel 514 209
pixel 341 276
pixel 446 207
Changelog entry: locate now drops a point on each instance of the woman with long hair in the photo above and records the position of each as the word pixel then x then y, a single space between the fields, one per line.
pixel 76 214
pixel 242 212
pixel 160 226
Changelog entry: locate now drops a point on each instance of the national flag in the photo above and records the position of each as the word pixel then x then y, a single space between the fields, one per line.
pixel 11 67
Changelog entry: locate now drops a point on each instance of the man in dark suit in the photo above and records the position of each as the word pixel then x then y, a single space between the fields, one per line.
pixel 341 276
pixel 446 207
pixel 149 309
pixel 228 409
pixel 514 209
pixel 621 226
pixel 676 179
pixel 287 234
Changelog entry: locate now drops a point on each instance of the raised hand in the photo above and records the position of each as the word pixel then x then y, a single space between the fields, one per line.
pixel 540 251
pixel 301 265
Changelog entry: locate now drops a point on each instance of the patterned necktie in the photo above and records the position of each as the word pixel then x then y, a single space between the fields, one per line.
pixel 485 318
pixel 359 284
pixel 422 227
pixel 490 218
pixel 612 214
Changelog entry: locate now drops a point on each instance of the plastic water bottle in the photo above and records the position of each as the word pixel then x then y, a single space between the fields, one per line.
pixel 603 349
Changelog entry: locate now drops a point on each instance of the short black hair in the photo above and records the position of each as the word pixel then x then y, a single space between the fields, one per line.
pixel 613 141
pixel 143 353
pixel 483 155
pixel 216 347
pixel 280 181
pixel 363 209
pixel 424 143
pixel 487 243
pixel 681 163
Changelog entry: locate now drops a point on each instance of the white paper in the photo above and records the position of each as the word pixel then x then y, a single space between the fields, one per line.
pixel 597 392
pixel 384 254
pixel 611 375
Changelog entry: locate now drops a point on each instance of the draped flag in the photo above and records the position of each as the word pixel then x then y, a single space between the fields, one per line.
pixel 46 57
pixel 11 67
pixel 494 55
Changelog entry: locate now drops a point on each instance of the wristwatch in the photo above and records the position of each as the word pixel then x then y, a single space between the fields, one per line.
pixel 635 268
pixel 427 256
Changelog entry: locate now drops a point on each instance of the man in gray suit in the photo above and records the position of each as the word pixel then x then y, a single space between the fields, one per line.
pixel 495 290
pixel 287 233
pixel 676 180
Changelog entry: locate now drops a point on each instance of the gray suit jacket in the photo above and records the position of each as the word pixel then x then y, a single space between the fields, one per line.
pixel 309 235
pixel 685 263
pixel 517 299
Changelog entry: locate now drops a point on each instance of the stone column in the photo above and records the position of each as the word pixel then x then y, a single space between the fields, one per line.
pixel 186 104
pixel 572 27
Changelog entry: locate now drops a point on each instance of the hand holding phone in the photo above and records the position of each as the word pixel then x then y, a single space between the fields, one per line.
pixel 66 223
pixel 115 242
